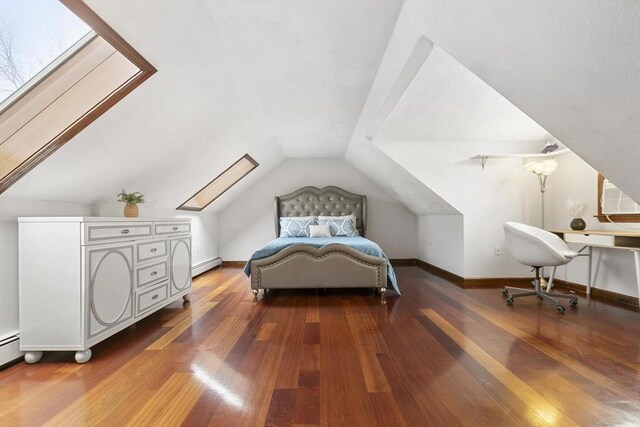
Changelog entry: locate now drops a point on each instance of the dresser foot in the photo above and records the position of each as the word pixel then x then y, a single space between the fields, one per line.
pixel 32 357
pixel 186 297
pixel 83 356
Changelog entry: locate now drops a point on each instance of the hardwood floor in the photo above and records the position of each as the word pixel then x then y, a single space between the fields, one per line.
pixel 437 355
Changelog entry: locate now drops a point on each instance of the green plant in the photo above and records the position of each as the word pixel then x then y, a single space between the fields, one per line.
pixel 130 199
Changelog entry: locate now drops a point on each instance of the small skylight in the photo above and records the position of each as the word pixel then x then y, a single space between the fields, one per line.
pixel 220 184
pixel 33 35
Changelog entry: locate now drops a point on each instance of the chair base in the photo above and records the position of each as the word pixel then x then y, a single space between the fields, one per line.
pixel 554 298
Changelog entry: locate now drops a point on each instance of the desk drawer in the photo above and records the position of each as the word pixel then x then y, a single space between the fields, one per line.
pixel 153 297
pixel 590 239
pixel 109 232
pixel 151 273
pixel 164 229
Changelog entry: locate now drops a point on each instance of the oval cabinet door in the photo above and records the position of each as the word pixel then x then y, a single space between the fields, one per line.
pixel 180 264
pixel 111 287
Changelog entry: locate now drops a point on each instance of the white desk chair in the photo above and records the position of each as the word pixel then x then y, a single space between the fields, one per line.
pixel 537 248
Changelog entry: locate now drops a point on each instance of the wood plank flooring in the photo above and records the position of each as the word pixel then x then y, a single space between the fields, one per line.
pixel 438 355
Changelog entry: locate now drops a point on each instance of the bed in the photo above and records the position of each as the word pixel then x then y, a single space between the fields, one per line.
pixel 333 262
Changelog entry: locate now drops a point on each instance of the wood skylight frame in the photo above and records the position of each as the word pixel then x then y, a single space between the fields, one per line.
pixel 238 170
pixel 102 29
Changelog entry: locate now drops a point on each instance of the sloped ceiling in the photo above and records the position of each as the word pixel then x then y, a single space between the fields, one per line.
pixel 447 102
pixel 572 66
pixel 274 79
pixel 282 79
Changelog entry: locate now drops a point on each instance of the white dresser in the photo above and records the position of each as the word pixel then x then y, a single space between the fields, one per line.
pixel 84 279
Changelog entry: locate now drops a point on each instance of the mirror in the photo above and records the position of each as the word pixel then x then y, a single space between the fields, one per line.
pixel 614 205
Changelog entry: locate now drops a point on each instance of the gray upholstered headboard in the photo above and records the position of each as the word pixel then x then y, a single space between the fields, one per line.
pixel 329 201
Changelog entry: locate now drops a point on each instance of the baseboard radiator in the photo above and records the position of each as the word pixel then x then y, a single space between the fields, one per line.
pixel 9 347
pixel 205 265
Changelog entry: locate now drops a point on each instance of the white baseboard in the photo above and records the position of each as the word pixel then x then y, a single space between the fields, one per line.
pixel 205 265
pixel 9 348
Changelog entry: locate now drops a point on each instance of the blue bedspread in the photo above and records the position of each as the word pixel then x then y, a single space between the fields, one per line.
pixel 359 243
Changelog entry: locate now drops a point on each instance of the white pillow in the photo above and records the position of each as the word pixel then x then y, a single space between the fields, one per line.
pixel 320 230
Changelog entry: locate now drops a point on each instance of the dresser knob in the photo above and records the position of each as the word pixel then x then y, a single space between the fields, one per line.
pixel 175 228
pixel 154 273
pixel 125 231
pixel 155 296
pixel 154 250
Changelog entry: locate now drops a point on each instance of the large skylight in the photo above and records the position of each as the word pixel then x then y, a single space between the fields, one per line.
pixel 220 184
pixel 61 67
pixel 33 35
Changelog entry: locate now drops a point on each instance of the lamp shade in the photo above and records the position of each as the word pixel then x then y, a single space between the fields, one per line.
pixel 541 167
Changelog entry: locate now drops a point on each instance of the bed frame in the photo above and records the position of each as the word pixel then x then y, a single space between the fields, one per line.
pixel 333 266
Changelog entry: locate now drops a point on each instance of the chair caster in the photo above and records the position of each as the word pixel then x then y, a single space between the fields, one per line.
pixel 509 301
pixel 505 292
pixel 559 308
pixel 573 302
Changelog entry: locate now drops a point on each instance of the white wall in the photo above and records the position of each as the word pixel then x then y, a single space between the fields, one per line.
pixel 487 198
pixel 441 241
pixel 575 179
pixel 247 223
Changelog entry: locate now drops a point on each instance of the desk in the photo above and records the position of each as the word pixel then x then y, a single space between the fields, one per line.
pixel 629 240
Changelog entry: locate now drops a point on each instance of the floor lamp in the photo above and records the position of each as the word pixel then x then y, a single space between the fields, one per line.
pixel 542 169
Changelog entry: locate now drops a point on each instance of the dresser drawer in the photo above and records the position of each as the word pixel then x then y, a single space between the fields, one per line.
pixel 103 233
pixel 151 250
pixel 164 229
pixel 148 299
pixel 152 273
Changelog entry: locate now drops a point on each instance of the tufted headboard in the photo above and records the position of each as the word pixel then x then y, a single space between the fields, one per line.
pixel 329 201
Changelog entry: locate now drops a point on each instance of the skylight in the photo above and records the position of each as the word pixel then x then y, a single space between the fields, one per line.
pixel 220 184
pixel 61 67
pixel 34 34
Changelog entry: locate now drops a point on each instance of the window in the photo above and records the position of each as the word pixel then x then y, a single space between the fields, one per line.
pixel 95 70
pixel 614 205
pixel 220 184
pixel 33 37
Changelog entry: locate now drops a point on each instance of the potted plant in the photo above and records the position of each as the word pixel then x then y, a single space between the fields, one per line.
pixel 131 201
pixel 577 210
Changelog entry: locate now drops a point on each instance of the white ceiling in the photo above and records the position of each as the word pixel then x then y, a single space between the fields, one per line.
pixel 447 102
pixel 272 79
pixel 571 65
pixel 280 79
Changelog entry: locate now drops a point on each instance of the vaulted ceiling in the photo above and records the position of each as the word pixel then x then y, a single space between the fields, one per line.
pixel 281 79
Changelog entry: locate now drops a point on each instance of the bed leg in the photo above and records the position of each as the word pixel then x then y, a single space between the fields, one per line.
pixel 254 292
pixel 383 291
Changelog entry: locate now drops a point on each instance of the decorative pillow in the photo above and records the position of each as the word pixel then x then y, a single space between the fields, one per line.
pixel 296 226
pixel 320 230
pixel 351 217
pixel 339 227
